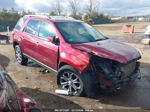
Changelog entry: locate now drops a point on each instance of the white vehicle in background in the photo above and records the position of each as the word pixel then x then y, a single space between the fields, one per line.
pixel 146 40
pixel 147 32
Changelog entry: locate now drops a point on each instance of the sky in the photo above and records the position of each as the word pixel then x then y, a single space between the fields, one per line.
pixel 111 7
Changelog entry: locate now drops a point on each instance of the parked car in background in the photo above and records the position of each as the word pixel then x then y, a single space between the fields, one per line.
pixel 83 59
pixel 146 40
pixel 147 32
pixel 13 99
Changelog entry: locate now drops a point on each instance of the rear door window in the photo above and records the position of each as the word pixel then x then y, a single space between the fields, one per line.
pixel 20 23
pixel 46 30
pixel 32 27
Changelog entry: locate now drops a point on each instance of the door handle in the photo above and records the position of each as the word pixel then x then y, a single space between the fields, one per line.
pixel 37 43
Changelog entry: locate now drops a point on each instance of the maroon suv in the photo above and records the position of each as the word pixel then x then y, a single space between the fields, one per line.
pixel 13 99
pixel 83 58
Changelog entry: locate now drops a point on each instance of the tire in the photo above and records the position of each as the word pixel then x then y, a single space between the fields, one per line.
pixel 90 86
pixel 19 56
pixel 69 79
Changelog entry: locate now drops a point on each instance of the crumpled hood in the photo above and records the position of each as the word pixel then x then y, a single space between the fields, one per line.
pixel 110 49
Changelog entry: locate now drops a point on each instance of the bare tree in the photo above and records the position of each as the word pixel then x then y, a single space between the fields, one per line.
pixel 92 6
pixel 74 6
pixel 58 7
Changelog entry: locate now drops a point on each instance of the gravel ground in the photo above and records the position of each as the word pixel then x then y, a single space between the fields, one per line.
pixel 41 86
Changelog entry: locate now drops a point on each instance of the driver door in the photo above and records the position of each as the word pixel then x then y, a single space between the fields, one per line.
pixel 47 51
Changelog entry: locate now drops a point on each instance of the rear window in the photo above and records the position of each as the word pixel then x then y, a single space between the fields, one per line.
pixel 20 23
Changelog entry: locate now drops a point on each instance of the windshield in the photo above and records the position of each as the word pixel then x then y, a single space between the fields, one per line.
pixel 78 32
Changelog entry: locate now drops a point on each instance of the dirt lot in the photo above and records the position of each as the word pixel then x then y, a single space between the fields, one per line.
pixel 42 86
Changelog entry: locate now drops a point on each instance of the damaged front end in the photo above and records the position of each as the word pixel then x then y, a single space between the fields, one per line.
pixel 111 74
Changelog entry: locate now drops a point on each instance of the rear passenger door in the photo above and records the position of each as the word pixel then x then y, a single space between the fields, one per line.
pixel 29 35
pixel 47 51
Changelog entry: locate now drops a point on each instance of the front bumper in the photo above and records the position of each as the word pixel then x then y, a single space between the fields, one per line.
pixel 117 82
pixel 134 76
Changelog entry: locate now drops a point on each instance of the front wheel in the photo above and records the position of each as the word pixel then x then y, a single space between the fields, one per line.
pixel 19 56
pixel 70 80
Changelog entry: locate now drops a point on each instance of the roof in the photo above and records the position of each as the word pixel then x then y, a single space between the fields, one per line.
pixel 53 18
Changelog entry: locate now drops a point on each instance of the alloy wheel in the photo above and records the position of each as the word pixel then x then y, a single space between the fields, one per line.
pixel 71 82
pixel 18 54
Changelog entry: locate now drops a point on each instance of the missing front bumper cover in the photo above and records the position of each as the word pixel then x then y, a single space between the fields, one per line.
pixel 115 72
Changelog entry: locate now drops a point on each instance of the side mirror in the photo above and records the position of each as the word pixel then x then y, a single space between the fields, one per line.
pixel 54 39
pixel 51 38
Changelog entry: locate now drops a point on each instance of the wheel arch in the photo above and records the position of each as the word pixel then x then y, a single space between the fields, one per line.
pixel 15 43
pixel 59 69
pixel 62 64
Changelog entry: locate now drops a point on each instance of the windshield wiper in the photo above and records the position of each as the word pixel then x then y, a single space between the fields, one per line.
pixel 101 39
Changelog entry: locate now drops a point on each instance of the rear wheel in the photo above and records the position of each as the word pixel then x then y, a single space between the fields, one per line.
pixel 69 79
pixel 19 56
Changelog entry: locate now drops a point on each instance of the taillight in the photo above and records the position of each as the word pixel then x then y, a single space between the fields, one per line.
pixel 27 103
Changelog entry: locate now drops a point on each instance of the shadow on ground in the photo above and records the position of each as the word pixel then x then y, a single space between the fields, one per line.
pixel 33 64
pixel 4 61
pixel 50 102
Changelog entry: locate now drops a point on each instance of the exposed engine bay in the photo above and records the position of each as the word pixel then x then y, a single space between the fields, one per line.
pixel 111 74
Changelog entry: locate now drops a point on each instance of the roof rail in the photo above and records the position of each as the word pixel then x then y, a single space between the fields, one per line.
pixel 60 17
pixel 43 16
pixel 51 17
